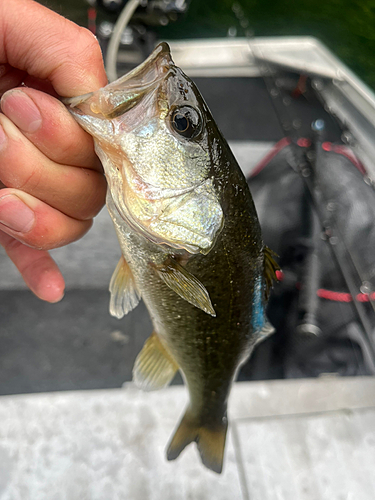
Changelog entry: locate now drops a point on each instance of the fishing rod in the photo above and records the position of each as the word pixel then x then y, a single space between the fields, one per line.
pixel 114 43
pixel 336 242
pixel 315 216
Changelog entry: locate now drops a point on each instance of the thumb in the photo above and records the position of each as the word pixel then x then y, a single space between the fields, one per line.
pixel 48 46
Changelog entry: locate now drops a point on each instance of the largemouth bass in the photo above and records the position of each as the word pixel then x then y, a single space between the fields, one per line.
pixel 190 239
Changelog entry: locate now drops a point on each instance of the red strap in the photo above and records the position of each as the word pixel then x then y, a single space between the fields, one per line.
pixel 347 152
pixel 303 142
pixel 276 149
pixel 301 86
pixel 335 296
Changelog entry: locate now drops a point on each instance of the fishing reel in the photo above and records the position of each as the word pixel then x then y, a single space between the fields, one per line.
pixel 127 36
pixel 148 12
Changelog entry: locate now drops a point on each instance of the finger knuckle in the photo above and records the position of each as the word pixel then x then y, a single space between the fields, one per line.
pixel 12 245
pixel 90 45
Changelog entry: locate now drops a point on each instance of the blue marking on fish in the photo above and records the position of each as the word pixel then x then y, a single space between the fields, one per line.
pixel 258 316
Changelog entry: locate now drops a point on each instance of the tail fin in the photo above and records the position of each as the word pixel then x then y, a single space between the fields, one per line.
pixel 210 441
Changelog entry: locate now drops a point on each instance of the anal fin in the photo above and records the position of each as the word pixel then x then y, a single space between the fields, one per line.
pixel 124 292
pixel 185 284
pixel 154 367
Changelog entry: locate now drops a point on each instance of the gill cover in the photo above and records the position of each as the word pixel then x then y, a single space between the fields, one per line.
pixel 149 132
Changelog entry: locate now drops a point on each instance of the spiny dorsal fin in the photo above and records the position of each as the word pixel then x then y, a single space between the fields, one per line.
pixel 154 367
pixel 124 292
pixel 185 285
pixel 270 268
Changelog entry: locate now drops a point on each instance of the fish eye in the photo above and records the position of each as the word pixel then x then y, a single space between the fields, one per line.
pixel 186 121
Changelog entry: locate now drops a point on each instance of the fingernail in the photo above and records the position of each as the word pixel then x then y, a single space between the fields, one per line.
pixel 15 215
pixel 20 108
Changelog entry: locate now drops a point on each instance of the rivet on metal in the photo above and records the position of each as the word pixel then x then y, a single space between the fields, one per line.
pixel 333 240
pixel 366 287
pixel 317 84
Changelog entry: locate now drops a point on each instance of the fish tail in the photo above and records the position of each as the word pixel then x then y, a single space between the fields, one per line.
pixel 210 440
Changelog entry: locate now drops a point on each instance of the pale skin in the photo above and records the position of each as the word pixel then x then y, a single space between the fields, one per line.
pixel 51 182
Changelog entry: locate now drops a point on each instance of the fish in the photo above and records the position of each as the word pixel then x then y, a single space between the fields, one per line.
pixel 190 239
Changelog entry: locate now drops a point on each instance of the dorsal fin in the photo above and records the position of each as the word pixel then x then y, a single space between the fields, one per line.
pixel 270 268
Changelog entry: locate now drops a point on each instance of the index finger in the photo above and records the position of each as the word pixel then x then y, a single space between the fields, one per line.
pixel 48 46
pixel 55 133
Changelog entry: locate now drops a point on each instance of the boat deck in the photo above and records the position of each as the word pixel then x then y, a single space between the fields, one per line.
pixel 287 440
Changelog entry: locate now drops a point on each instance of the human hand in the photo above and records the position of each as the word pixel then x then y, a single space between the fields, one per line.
pixel 51 182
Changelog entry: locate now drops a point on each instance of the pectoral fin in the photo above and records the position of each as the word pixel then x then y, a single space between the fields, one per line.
pixel 185 285
pixel 124 292
pixel 154 367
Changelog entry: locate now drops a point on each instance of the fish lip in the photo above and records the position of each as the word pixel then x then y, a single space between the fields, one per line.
pixel 72 102
pixel 160 58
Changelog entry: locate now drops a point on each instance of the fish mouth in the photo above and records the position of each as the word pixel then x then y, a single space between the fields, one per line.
pixel 186 216
pixel 121 95
pixel 160 61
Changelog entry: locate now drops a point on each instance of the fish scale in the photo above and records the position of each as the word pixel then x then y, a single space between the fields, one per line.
pixel 190 239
